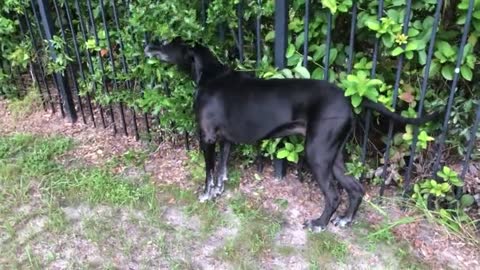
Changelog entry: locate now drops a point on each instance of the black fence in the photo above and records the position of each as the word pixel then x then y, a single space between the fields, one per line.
pixel 60 91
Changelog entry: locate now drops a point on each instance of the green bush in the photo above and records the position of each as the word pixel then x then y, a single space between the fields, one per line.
pixel 14 51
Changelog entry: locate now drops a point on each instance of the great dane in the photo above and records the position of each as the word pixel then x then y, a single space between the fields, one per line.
pixel 235 107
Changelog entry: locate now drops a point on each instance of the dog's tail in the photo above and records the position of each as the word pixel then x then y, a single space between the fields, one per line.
pixel 397 117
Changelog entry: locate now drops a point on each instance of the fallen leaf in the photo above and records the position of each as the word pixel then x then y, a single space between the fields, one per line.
pixel 103 52
pixel 407 97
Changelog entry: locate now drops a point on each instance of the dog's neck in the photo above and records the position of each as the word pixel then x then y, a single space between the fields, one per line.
pixel 206 66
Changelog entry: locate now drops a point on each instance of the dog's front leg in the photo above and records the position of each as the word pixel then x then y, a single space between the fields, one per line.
pixel 222 168
pixel 209 156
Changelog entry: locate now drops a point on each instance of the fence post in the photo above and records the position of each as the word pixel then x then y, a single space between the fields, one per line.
pixel 423 91
pixel 368 112
pixel 396 86
pixel 61 79
pixel 281 32
pixel 440 144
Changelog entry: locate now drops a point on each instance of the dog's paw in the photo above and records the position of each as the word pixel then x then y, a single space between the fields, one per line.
pixel 342 222
pixel 223 176
pixel 311 226
pixel 206 196
pixel 217 191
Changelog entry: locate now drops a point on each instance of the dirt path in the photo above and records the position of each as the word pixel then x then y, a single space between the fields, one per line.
pixel 255 225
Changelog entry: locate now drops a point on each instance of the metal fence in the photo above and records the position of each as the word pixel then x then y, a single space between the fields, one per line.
pixel 60 91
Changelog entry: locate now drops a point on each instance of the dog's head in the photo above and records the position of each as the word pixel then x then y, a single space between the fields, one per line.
pixel 194 59
pixel 176 52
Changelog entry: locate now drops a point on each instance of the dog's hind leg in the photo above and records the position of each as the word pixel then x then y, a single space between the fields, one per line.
pixel 322 143
pixel 222 168
pixel 209 156
pixel 354 189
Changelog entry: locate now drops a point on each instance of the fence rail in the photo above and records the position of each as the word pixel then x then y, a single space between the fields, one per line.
pixel 74 22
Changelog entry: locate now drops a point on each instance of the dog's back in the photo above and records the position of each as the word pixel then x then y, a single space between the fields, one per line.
pixel 254 108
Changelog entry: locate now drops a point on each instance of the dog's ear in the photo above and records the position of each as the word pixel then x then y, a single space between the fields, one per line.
pixel 196 69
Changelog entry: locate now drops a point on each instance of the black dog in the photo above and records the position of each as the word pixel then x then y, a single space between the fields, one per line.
pixel 233 107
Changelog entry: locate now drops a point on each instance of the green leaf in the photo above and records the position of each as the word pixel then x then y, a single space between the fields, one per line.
pixel 371 94
pixel 388 40
pixel 293 157
pixel 466 200
pixel 412 32
pixel 466 73
pixel 447 72
pixel 416 188
pixel 476 14
pixel 445 187
pixel 434 69
pixel 282 154
pixel 290 51
pixel 409 55
pixel 270 36
pixel 287 73
pixel 412 45
pixel 446 49
pixel 289 146
pixel 319 53
pixel 356 100
pixel 422 57
pixel 374 82
pixel 350 91
pixel 152 61
pixel 330 4
pixel 397 51
pixel 299 40
pixel 317 74
pixel 423 136
pixel 299 148
pixel 302 72
pixel 374 25
pixel 407 137
pixel 333 55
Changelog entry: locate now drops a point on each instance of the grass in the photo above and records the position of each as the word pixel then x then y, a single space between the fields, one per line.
pixel 57 221
pixel 381 240
pixel 286 250
pixel 23 107
pixel 255 236
pixel 32 178
pixel 208 212
pixel 324 247
pixel 34 184
pixel 34 158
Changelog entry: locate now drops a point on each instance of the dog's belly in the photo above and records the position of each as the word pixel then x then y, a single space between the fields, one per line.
pixel 249 133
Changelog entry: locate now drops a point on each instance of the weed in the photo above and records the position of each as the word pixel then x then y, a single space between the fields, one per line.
pixel 196 166
pixel 130 158
pixel 407 261
pixel 28 104
pixel 234 177
pixel 97 230
pixel 282 203
pixel 207 212
pixel 255 236
pixel 56 219
pixel 324 247
pixel 33 260
pixel 286 250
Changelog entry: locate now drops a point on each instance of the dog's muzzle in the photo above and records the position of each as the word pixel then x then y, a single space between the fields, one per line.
pixel 153 51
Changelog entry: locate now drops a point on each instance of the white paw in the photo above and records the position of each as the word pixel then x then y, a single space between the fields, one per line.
pixel 205 197
pixel 341 222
